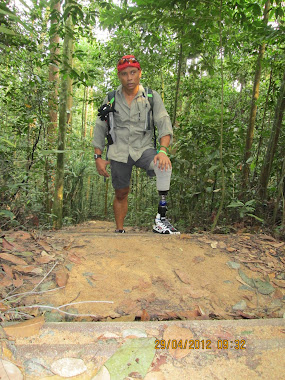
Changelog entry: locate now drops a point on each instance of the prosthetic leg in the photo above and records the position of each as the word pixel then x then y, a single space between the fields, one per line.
pixel 162 224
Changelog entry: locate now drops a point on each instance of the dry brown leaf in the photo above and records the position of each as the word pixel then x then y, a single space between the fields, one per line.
pixel 189 314
pixel 7 245
pixel 6 281
pixel 172 335
pixel 183 276
pixel 279 283
pixel 277 245
pixel 18 280
pixel 159 362
pixel 278 294
pixel 44 259
pixel 196 293
pixel 145 316
pixel 61 277
pixel 75 259
pixel 26 269
pixel 8 270
pixel 25 329
pixel 231 249
pixel 44 245
pixel 12 258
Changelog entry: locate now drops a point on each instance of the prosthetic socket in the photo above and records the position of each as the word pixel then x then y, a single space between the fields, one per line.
pixel 162 185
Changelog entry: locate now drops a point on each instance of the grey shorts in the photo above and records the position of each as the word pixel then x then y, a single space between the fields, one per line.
pixel 121 172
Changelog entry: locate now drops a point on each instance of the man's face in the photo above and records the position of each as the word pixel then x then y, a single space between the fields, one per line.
pixel 130 77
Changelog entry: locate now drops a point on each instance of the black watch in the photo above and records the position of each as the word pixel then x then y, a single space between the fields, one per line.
pixel 97 156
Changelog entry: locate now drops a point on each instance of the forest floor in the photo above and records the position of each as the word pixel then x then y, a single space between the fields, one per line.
pixel 143 276
pixel 157 285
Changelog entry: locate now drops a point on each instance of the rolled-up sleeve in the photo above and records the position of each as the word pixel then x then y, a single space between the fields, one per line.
pixel 100 132
pixel 161 118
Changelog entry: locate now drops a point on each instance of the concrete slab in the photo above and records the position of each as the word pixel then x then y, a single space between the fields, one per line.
pixel 198 349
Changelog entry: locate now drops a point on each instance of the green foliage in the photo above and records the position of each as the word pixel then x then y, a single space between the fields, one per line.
pixel 154 31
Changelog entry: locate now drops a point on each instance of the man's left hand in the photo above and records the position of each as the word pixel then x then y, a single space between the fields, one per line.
pixel 164 161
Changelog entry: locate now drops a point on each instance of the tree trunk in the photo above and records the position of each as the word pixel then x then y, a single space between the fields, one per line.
pixel 255 96
pixel 63 118
pixel 53 97
pixel 177 83
pixel 273 141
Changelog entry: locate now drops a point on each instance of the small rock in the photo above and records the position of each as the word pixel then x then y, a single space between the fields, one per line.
pixel 135 332
pixel 240 305
pixel 68 367
pixel 36 367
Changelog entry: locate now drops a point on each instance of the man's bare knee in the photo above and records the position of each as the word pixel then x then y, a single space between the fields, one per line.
pixel 122 194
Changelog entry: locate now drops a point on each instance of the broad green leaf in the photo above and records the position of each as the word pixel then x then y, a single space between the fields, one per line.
pixel 6 30
pixel 135 355
pixel 7 214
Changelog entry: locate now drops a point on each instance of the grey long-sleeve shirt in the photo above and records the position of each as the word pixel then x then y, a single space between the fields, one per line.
pixel 131 129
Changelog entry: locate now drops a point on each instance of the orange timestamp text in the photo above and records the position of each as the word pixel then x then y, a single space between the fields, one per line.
pixel 197 344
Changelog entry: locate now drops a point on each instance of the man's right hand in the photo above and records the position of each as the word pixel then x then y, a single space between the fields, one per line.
pixel 101 166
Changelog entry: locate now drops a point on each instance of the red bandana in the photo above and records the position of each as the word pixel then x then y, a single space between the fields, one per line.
pixel 128 61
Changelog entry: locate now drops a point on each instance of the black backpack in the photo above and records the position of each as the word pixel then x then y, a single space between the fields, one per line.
pixel 149 93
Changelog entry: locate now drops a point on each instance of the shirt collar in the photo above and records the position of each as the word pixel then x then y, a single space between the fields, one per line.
pixel 141 91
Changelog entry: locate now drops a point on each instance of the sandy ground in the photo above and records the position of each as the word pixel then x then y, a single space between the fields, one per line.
pixel 149 276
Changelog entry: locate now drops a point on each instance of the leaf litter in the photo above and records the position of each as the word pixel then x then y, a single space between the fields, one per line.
pixel 256 263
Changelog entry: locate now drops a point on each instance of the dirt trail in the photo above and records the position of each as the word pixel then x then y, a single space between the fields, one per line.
pixel 149 276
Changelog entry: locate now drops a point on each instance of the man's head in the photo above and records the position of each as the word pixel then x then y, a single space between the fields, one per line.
pixel 129 73
pixel 128 61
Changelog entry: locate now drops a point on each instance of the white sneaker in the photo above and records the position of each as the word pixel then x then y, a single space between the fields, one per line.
pixel 163 226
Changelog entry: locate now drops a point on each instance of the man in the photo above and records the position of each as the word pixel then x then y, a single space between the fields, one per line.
pixel 132 142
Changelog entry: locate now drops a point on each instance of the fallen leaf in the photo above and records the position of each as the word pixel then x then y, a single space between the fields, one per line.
pixel 75 259
pixel 124 360
pixel 13 259
pixel 6 281
pixel 231 249
pixel 25 329
pixel 189 314
pixel 159 362
pixel 277 294
pixel 18 281
pixel 7 245
pixel 8 270
pixel 103 374
pixel 44 259
pixel 44 245
pixel 196 293
pixel 9 371
pixel 214 244
pixel 279 283
pixel 145 316
pixel 183 276
pixel 172 335
pixel 28 269
pixel 61 277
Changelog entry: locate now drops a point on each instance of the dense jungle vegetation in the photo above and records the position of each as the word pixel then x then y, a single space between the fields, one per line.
pixel 219 67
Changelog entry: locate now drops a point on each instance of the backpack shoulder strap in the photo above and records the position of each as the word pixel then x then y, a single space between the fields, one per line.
pixel 111 98
pixel 149 95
